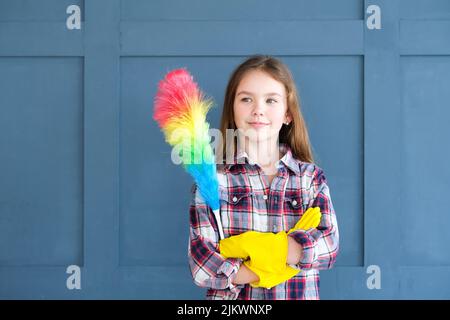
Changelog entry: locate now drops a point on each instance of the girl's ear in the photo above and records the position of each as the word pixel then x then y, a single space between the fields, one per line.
pixel 288 118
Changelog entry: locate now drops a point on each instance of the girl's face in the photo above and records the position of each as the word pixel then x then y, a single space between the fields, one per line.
pixel 260 106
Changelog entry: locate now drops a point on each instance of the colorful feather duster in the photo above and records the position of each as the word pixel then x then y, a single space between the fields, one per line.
pixel 180 111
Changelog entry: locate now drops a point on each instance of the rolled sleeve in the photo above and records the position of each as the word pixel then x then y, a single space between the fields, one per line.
pixel 320 245
pixel 209 269
pixel 308 246
pixel 229 269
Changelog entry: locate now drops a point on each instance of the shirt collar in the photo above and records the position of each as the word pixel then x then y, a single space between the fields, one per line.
pixel 286 160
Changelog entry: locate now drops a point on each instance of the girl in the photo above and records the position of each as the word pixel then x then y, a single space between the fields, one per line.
pixel 267 180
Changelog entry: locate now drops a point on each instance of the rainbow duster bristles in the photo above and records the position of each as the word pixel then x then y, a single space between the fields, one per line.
pixel 180 111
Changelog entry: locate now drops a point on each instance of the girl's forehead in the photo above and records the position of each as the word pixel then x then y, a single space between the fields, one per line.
pixel 257 81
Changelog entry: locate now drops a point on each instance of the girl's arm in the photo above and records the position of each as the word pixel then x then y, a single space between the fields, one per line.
pixel 295 251
pixel 245 275
pixel 320 245
pixel 209 269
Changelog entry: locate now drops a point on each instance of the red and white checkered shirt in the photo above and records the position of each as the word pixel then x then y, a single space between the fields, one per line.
pixel 247 202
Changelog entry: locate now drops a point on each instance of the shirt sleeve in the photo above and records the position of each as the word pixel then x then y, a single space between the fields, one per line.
pixel 208 268
pixel 321 244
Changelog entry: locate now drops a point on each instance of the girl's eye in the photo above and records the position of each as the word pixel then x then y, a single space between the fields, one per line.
pixel 269 101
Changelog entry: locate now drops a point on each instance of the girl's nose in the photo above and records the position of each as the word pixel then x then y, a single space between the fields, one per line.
pixel 258 110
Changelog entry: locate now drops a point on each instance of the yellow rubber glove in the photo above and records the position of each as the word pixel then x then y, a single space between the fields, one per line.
pixel 269 262
pixel 310 219
pixel 267 251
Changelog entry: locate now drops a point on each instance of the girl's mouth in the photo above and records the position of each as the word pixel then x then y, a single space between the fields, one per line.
pixel 258 125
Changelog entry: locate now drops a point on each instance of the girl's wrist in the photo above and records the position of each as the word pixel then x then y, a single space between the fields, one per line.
pixel 245 275
pixel 295 251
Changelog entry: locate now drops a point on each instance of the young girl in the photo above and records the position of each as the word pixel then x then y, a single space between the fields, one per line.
pixel 267 180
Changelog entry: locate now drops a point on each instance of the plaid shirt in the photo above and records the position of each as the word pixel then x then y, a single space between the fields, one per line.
pixel 249 203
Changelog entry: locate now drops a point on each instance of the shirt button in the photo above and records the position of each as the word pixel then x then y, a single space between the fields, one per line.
pixel 234 199
pixel 294 203
pixel 265 197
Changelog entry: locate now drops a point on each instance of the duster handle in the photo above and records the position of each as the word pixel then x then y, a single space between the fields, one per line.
pixel 219 223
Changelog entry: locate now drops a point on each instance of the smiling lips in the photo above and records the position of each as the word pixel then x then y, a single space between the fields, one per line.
pixel 258 124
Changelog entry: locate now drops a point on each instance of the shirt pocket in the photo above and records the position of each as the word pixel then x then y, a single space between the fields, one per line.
pixel 293 210
pixel 236 209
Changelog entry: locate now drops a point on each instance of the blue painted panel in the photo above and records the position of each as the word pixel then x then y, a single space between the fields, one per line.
pixel 42 10
pixel 425 156
pixel 424 37
pixel 425 9
pixel 231 38
pixel 41 161
pixel 40 39
pixel 242 10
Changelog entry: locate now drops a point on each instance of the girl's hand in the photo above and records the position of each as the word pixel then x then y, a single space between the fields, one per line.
pixel 245 275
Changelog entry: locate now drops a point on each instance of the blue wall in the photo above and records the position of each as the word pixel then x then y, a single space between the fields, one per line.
pixel 86 177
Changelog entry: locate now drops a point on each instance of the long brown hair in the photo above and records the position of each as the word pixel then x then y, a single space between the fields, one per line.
pixel 295 135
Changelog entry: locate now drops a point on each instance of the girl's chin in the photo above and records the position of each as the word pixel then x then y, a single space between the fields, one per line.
pixel 261 137
pixel 257 131
pixel 258 135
